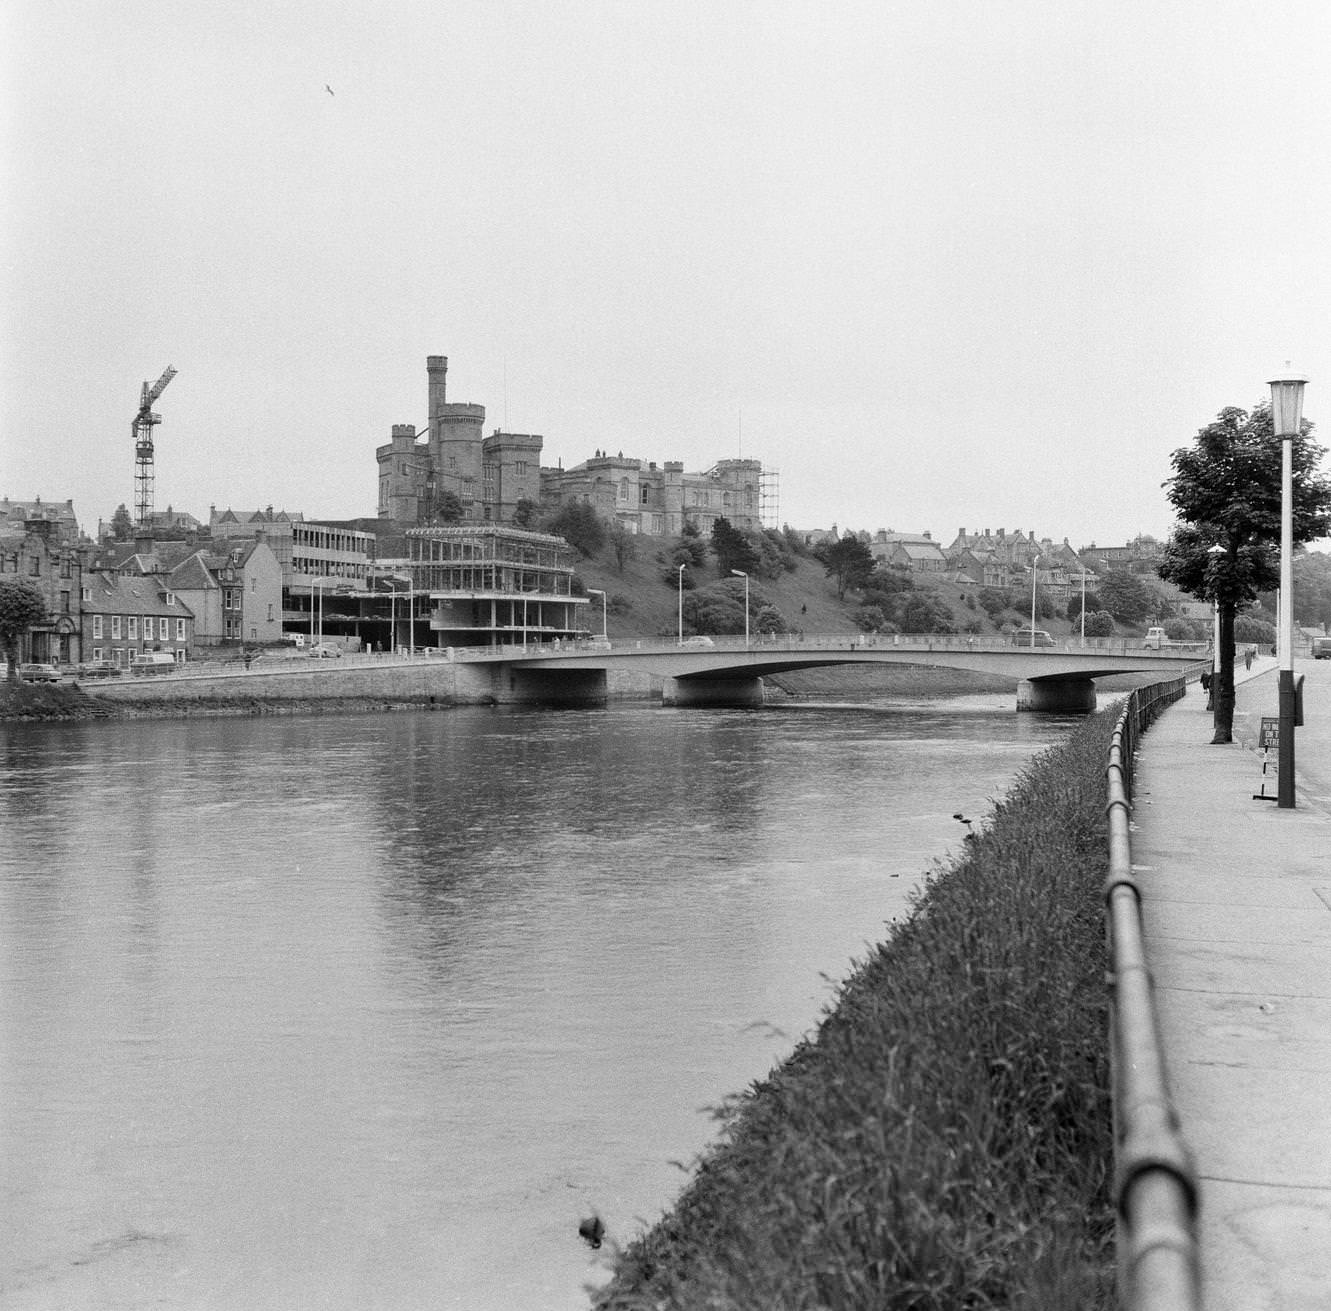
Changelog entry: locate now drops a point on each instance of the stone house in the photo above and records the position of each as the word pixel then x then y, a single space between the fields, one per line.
pixel 126 614
pixel 37 551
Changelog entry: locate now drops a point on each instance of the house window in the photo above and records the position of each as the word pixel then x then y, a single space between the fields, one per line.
pixel 115 628
pixel 66 568
pixel 164 629
pixel 64 602
pixel 180 630
pixel 270 612
pixel 97 653
pixel 35 568
pixel 170 598
pixel 133 628
pixel 96 625
pixel 85 594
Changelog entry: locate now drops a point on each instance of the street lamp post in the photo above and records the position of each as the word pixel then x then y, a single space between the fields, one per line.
pixel 596 591
pixel 1215 552
pixel 681 602
pixel 1034 564
pixel 739 573
pixel 1286 418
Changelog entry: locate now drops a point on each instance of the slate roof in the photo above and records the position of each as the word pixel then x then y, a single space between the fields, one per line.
pixel 130 594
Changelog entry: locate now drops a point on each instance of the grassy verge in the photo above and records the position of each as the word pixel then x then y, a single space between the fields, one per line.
pixel 944 1139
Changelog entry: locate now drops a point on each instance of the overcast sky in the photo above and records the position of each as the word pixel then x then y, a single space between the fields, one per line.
pixel 940 264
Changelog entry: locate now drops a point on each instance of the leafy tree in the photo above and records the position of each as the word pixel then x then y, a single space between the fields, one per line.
pixel 993 601
pixel 1092 603
pixel 714 609
pixel 122 526
pixel 869 619
pixel 1248 630
pixel 770 620
pixel 850 562
pixel 525 513
pixel 1181 630
pixel 732 549
pixel 445 507
pixel 924 612
pixel 1226 489
pixel 1312 590
pixel 792 539
pixel 1126 596
pixel 22 608
pixel 1100 624
pixel 623 543
pixel 580 526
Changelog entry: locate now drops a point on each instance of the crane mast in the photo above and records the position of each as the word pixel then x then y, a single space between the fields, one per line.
pixel 143 448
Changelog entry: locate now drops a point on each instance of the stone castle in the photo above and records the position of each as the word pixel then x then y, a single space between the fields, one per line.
pixel 489 476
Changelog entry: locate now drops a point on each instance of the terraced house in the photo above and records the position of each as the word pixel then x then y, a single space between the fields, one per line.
pixel 125 615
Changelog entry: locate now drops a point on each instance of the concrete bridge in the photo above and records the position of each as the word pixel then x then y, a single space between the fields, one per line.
pixel 720 671
pixel 728 670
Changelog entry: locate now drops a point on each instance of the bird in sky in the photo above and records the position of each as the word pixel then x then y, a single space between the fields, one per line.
pixel 328 88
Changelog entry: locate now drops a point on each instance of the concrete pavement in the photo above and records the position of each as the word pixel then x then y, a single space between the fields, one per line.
pixel 1237 917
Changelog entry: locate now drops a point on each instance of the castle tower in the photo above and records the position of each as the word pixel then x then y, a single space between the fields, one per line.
pixel 456 433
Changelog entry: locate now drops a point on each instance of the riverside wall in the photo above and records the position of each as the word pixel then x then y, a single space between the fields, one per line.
pixel 434 683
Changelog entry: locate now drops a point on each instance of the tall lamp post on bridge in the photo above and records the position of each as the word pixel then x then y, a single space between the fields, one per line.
pixel 596 591
pixel 681 601
pixel 1286 419
pixel 739 573
pixel 1034 566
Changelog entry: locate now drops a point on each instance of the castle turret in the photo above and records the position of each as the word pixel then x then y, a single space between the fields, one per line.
pixel 456 432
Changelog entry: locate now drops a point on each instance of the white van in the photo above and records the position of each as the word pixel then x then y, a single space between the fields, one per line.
pixel 1155 638
pixel 152 662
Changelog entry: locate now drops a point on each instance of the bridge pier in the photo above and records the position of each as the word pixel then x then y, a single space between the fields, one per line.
pixel 735 693
pixel 1064 696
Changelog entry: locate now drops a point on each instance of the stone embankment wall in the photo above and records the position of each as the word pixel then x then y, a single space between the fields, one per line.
pixel 334 685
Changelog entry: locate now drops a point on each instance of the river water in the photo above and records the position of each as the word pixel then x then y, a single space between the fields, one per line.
pixel 368 1011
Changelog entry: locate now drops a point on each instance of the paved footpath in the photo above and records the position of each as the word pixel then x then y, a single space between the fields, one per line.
pixel 1237 912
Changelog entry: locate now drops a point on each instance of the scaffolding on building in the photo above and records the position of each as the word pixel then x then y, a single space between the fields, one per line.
pixel 769 497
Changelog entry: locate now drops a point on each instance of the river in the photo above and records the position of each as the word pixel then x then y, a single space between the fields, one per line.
pixel 367 1011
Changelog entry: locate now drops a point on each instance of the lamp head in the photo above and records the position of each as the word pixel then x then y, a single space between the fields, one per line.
pixel 1287 400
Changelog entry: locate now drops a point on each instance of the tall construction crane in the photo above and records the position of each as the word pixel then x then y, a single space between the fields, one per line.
pixel 143 448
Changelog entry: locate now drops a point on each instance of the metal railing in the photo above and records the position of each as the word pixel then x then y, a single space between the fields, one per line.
pixel 1155 1185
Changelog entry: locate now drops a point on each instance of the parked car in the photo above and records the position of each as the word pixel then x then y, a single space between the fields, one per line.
pixel 697 641
pixel 152 662
pixel 35 672
pixel 325 651
pixel 1322 648
pixel 1025 637
pixel 99 669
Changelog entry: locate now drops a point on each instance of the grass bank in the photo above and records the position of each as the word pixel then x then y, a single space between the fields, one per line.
pixel 944 1139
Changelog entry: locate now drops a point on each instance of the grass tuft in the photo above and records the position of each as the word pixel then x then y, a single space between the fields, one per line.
pixel 943 1140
